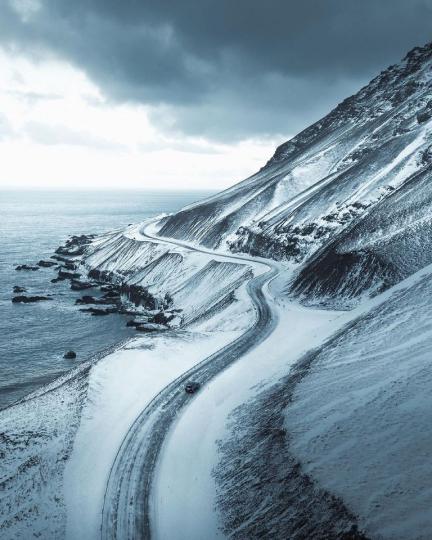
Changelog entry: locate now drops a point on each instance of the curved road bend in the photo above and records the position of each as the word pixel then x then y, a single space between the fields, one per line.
pixel 126 510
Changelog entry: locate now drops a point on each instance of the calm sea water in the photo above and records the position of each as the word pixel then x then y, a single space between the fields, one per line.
pixel 34 337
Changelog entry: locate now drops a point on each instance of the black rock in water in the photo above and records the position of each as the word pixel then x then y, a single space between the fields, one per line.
pixel 111 294
pixel 74 246
pixel 68 275
pixel 107 288
pixel 62 259
pixel 18 289
pixel 26 267
pixel 99 311
pixel 29 299
pixel 69 265
pixel 150 327
pixel 81 285
pixel 87 299
pixel 137 321
pixel 70 355
pixel 70 252
pixel 46 264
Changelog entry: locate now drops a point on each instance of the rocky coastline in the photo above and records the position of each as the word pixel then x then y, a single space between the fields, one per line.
pixel 109 295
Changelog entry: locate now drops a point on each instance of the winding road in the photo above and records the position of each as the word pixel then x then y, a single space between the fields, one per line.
pixel 126 512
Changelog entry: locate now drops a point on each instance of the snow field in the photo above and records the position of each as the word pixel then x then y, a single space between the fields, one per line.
pixel 120 386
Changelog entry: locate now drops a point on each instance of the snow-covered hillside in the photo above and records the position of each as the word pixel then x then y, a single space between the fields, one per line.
pixel 387 244
pixel 360 414
pixel 329 176
pixel 198 285
pixel 299 303
pixel 336 447
pixel 339 446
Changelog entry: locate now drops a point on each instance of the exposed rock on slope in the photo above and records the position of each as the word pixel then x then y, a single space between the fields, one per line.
pixel 388 244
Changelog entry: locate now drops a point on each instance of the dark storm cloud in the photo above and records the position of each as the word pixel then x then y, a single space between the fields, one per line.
pixel 226 68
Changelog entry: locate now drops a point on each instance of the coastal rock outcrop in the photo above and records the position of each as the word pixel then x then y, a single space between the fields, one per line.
pixel 29 299
pixel 17 289
pixel 46 264
pixel 26 267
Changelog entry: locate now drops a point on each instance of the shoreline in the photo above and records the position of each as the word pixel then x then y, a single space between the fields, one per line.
pixel 68 375
pixel 61 258
pixel 36 335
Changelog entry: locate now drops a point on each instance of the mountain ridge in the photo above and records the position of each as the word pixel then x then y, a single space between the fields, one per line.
pixel 327 178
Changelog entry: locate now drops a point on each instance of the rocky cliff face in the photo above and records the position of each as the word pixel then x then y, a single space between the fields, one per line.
pixel 360 172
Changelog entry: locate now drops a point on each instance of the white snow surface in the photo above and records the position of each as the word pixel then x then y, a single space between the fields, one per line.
pixel 360 420
pixel 120 386
pixel 36 437
pixel 372 401
pixel 185 491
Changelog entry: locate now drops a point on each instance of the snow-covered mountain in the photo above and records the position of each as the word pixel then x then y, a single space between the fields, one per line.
pixel 309 422
pixel 355 181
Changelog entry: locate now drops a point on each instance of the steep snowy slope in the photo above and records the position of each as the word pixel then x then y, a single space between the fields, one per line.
pixel 198 285
pixel 388 244
pixel 328 175
pixel 361 413
pixel 338 448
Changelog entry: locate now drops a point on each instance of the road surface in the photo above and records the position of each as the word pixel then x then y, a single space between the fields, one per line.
pixel 126 512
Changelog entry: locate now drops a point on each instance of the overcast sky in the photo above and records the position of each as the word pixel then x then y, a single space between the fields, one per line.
pixel 180 93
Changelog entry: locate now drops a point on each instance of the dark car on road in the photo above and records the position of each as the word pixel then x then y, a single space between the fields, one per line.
pixel 192 387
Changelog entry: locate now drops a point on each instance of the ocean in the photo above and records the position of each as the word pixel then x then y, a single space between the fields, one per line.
pixel 34 337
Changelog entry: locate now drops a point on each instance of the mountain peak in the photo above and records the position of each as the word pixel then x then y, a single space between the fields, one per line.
pixel 375 98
